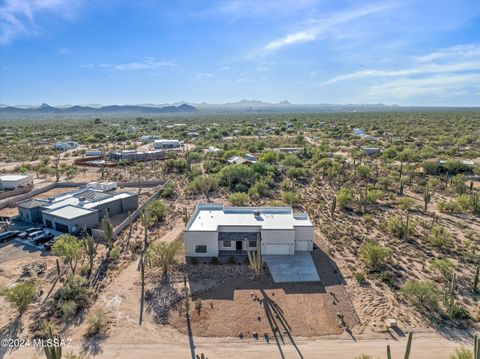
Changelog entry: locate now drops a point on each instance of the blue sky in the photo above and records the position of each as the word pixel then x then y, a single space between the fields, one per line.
pixel 304 51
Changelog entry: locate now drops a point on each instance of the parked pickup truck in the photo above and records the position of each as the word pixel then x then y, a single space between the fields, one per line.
pixel 42 238
pixel 5 236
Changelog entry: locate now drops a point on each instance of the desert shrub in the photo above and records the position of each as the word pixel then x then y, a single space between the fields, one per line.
pixel 374 255
pixel 157 210
pixel 440 237
pixel 75 289
pixel 345 197
pixel 234 175
pixel 462 353
pixel 397 226
pixel 260 189
pixel 238 198
pixel 168 191
pixel 98 323
pixel 405 202
pixel 114 253
pixel 423 293
pixel 20 295
pixel 290 198
pixel 360 277
pixel 68 309
pixel 444 267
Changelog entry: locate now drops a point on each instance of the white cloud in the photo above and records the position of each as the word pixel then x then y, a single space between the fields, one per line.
pixel 319 27
pixel 147 63
pixel 19 17
pixel 457 52
pixel 419 70
pixel 446 85
pixel 202 76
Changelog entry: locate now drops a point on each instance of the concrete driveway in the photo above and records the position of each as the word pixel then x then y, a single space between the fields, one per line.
pixel 289 269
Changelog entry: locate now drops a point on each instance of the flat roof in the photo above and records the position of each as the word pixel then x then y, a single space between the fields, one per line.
pixel 209 217
pixel 70 212
pixel 13 177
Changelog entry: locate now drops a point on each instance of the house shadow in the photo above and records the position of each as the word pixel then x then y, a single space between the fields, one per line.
pixel 10 331
pixel 26 246
pixel 278 324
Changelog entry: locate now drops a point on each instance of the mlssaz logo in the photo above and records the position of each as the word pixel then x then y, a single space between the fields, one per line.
pixel 51 343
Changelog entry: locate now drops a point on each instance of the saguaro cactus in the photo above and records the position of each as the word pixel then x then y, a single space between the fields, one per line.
pixel 334 206
pixel 426 198
pixel 186 298
pixel 255 257
pixel 54 351
pixel 476 280
pixel 476 347
pixel 407 351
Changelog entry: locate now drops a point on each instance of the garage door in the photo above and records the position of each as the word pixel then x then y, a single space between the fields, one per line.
pixel 276 248
pixel 61 227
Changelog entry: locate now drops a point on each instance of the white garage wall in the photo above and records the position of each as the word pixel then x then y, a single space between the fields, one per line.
pixel 278 241
pixel 304 238
pixel 192 239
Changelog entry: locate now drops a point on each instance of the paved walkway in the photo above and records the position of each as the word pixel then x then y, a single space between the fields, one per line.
pixel 292 269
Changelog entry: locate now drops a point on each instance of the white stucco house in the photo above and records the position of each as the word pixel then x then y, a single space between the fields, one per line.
pixel 14 181
pixel 215 230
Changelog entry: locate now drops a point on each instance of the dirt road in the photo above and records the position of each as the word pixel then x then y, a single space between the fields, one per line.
pixel 425 346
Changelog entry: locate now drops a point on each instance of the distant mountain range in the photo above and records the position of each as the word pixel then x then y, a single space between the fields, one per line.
pixel 46 109
pixel 243 106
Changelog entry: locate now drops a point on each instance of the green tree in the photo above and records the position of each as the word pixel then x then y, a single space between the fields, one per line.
pixel 423 293
pixel 444 267
pixel 70 249
pixel 290 198
pixel 21 295
pixel 163 254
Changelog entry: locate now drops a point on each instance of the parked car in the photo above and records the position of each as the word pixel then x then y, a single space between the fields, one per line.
pixel 23 235
pixel 33 229
pixel 48 245
pixel 5 236
pixel 43 238
pixel 32 235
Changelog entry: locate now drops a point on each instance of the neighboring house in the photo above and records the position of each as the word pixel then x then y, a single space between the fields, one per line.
pixel 193 134
pixel 212 149
pixel 215 230
pixel 290 149
pixel 167 144
pixel 239 160
pixel 65 145
pixel 129 156
pixel 85 207
pixel 94 153
pixel 371 150
pixel 14 181
pixel 148 138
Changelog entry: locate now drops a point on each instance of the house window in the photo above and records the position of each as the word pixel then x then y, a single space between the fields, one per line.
pixel 252 244
pixel 48 223
pixel 227 244
pixel 200 249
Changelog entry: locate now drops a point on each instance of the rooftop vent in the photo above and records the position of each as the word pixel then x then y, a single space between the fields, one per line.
pixel 256 213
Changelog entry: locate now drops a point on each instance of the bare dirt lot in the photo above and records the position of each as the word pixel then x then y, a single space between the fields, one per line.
pixel 243 306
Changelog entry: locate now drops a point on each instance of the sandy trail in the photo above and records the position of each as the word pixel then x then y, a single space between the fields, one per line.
pixel 425 346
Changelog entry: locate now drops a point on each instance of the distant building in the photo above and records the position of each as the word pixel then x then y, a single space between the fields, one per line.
pixel 215 230
pixel 148 138
pixel 193 134
pixel 290 149
pixel 94 153
pixel 167 144
pixel 14 181
pixel 129 156
pixel 71 212
pixel 65 145
pixel 239 160
pixel 371 150
pixel 212 149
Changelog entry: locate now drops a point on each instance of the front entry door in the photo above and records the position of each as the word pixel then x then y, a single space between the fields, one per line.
pixel 238 246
